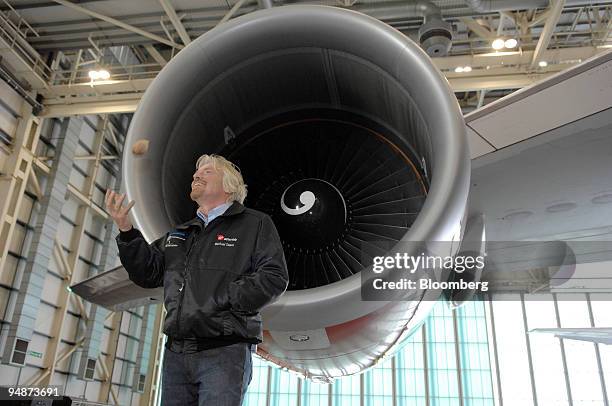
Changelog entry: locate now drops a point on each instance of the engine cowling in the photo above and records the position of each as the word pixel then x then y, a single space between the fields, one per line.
pixel 322 108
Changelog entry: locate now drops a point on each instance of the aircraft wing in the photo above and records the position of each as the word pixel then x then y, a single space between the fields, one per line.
pixel 600 335
pixel 115 291
pixel 542 171
pixel 542 157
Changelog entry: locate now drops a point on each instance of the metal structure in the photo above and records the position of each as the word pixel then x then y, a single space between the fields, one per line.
pixel 561 34
pixel 54 175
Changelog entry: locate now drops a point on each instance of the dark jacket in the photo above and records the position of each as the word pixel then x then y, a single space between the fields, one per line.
pixel 216 278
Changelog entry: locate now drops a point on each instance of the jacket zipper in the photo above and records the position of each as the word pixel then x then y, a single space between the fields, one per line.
pixel 182 288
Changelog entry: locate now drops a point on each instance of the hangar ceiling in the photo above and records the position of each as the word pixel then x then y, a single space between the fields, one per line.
pixel 50 46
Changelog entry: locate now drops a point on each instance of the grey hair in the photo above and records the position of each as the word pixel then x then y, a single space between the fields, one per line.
pixel 232 178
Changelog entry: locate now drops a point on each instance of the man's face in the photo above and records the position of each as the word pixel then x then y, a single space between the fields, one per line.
pixel 207 183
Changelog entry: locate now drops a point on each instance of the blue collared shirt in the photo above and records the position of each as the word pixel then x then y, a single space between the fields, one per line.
pixel 213 213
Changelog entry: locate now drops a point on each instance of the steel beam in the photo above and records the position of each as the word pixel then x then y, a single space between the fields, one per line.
pixel 70 263
pixel 534 392
pixel 118 23
pixel 108 363
pixel 176 22
pixel 510 78
pixel 153 384
pixel 456 337
pixel 41 248
pixel 556 7
pixel 22 59
pixel 107 86
pixel 156 55
pixel 539 18
pixel 505 71
pixel 95 325
pixel 100 107
pixel 478 29
pixel 492 344
pixel 568 387
pixel 232 11
pixel 602 378
pixel 17 168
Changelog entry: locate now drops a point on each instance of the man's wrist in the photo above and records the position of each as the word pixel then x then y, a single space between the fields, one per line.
pixel 128 235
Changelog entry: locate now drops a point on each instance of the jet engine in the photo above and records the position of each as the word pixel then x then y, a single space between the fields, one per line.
pixel 346 135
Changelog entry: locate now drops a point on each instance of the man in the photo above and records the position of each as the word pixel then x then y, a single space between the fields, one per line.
pixel 218 271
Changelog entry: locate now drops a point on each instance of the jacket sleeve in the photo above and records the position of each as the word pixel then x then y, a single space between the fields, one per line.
pixel 143 262
pixel 269 279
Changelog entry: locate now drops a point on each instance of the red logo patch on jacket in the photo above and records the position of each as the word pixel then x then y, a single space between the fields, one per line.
pixel 220 237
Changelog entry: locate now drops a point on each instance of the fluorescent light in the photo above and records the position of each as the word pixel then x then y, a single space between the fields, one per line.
pixel 463 69
pixel 542 64
pixel 498 43
pixel 498 53
pixel 604 46
pixel 510 43
pixel 103 74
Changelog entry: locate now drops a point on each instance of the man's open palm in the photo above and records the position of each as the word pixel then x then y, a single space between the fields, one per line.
pixel 119 213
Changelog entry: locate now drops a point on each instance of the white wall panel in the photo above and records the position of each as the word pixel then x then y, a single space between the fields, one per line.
pixel 10 109
pixel 44 319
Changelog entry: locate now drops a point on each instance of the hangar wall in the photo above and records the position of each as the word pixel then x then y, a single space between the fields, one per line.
pixel 54 232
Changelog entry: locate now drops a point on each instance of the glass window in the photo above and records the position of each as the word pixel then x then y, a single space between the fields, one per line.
pixel 257 392
pixel 546 354
pixel 422 370
pixel 512 350
pixel 580 355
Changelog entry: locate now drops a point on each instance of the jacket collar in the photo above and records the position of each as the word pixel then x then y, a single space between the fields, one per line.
pixel 234 209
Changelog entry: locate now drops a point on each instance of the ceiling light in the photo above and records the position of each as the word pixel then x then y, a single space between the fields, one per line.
pixel 498 43
pixel 510 43
pixel 463 69
pixel 103 74
pixel 542 64
pixel 498 53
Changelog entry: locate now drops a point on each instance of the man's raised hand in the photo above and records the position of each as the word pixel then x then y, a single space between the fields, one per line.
pixel 119 213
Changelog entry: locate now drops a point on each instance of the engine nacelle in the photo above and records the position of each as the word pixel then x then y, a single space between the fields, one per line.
pixel 324 100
